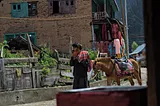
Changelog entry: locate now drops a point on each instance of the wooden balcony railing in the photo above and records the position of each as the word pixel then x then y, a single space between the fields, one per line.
pixel 99 15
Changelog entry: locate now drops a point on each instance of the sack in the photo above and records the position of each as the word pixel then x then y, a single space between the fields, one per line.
pixel 89 74
pixel 122 65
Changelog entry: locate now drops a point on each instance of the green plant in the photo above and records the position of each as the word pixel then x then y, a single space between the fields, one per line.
pixel 45 71
pixel 92 54
pixel 134 45
pixel 45 58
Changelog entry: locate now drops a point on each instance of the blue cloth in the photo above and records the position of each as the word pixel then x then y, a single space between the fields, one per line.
pixel 111 49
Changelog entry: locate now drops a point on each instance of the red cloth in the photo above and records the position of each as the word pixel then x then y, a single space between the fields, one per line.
pixel 84 55
pixel 104 32
pixel 105 47
pixel 101 46
pixel 114 30
pixel 120 37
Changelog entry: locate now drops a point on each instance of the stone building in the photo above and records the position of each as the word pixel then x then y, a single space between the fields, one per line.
pixel 50 21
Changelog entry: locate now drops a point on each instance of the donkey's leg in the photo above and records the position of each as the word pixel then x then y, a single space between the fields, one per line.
pixel 130 78
pixel 109 81
pixel 118 81
pixel 137 77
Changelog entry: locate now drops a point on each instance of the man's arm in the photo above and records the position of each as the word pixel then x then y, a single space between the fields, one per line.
pixel 85 63
pixel 72 61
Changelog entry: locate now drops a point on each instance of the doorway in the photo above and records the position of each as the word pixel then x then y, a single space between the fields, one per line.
pixel 55 7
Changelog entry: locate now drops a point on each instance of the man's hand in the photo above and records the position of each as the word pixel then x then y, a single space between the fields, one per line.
pixel 74 54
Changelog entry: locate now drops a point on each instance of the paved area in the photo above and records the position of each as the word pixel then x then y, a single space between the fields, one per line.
pixel 42 103
pixel 53 102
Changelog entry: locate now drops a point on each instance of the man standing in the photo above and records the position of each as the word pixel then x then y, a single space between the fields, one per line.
pixel 80 61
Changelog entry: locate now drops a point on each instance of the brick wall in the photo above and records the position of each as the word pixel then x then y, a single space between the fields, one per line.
pixel 56 32
pixel 83 7
pixel 53 29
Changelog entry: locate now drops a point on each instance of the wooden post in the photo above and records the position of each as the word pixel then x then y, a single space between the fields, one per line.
pixel 93 38
pixel 31 55
pixel 33 77
pixel 30 46
pixel 3 73
pixel 151 20
pixel 70 45
pixel 125 29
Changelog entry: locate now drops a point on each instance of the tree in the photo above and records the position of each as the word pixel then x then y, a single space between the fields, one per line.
pixel 135 17
pixel 134 45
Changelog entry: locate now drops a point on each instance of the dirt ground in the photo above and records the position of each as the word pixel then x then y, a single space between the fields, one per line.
pixel 124 83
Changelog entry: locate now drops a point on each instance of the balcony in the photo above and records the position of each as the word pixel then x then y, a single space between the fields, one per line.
pixel 99 16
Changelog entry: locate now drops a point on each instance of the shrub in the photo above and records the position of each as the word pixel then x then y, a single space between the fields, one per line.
pixel 92 54
pixel 134 46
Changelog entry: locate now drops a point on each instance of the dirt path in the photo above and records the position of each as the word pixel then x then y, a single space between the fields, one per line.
pixel 53 102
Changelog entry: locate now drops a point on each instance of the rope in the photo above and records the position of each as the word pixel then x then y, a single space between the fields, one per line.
pixel 95 75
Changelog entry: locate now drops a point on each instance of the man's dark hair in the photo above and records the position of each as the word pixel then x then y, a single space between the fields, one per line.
pixel 77 45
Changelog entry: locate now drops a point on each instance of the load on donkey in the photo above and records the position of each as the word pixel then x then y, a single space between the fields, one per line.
pixel 115 64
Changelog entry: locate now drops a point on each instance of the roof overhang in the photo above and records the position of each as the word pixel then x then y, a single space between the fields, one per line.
pixel 138 49
pixel 115 5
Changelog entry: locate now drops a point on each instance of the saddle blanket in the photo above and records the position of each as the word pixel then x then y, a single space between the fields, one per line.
pixel 125 68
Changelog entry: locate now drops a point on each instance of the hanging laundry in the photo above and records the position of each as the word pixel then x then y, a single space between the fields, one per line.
pixel 109 36
pixel 123 47
pixel 114 30
pixel 98 45
pixel 101 46
pixel 120 37
pixel 111 51
pixel 123 43
pixel 104 32
pixel 117 47
pixel 105 47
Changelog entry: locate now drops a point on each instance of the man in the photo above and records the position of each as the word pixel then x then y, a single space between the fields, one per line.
pixel 80 61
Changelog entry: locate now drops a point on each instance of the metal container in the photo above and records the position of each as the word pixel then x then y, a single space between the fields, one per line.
pixel 104 96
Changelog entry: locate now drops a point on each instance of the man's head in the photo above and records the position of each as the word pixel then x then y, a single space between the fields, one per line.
pixel 76 48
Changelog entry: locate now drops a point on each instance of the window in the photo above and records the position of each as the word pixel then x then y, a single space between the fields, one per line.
pixel 14 7
pixel 62 7
pixel 67 3
pixel 55 7
pixel 32 8
pixel 72 3
pixel 8 37
pixel 24 9
pixel 19 6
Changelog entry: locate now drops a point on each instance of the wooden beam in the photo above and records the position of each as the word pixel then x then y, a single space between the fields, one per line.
pixel 151 20
pixel 64 80
pixel 64 60
pixel 20 60
pixel 30 46
pixel 70 45
pixel 67 74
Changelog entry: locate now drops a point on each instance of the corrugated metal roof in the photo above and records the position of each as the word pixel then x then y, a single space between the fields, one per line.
pixel 138 49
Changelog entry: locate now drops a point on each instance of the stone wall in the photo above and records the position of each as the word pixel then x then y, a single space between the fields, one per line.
pixel 35 95
pixel 53 31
